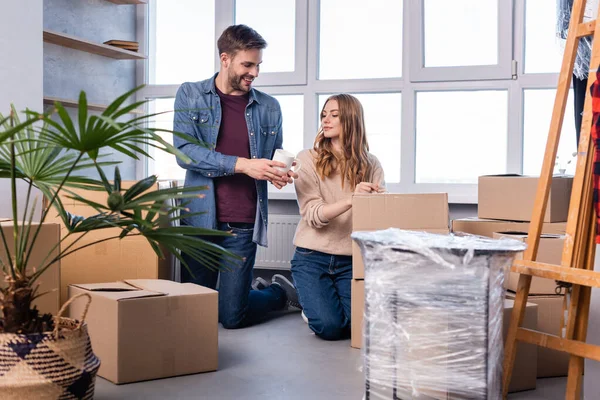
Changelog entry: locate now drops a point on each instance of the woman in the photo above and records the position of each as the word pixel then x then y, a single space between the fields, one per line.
pixel 337 167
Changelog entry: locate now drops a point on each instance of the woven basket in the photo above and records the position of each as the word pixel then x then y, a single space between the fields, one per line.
pixel 51 365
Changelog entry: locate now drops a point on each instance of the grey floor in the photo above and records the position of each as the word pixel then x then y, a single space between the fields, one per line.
pixel 280 359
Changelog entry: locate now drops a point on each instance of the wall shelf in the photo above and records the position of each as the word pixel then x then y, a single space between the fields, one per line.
pixel 73 42
pixel 75 104
pixel 120 2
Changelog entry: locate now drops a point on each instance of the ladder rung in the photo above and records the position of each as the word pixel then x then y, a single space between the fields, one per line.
pixel 586 28
pixel 574 347
pixel 575 276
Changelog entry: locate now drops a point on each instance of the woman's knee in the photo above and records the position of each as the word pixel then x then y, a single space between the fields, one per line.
pixel 333 329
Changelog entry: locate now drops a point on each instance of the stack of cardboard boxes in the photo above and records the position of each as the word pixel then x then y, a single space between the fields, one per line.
pixel 421 212
pixel 505 206
pixel 141 326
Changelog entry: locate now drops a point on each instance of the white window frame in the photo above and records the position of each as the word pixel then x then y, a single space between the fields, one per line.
pixel 412 81
pixel 501 70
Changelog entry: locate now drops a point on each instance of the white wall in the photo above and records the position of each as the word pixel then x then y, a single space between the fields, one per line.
pixel 21 67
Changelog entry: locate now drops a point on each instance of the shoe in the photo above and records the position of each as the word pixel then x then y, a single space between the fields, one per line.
pixel 304 317
pixel 260 284
pixel 292 302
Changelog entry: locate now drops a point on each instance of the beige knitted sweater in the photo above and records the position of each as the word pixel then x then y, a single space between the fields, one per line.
pixel 314 231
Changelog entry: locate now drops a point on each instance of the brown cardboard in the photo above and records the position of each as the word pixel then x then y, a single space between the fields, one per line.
pixel 487 227
pixel 422 212
pixel 525 366
pixel 549 251
pixel 511 197
pixel 112 260
pixel 551 363
pixel 357 306
pixel 526 362
pixel 49 281
pixel 145 329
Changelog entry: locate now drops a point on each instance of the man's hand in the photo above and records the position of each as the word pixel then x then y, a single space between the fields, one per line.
pixel 262 169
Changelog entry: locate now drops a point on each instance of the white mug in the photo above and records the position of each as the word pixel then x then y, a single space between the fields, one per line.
pixel 288 159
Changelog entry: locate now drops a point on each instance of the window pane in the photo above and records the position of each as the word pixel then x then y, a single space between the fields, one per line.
pixel 183 46
pixel 359 39
pixel 275 21
pixel 292 109
pixel 537 114
pixel 164 164
pixel 460 135
pixel 460 32
pixel 543 50
pixel 384 125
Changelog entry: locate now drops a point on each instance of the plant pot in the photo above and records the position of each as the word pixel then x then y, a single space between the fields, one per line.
pixel 51 365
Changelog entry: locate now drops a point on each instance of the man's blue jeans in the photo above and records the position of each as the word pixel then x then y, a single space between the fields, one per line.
pixel 323 284
pixel 239 305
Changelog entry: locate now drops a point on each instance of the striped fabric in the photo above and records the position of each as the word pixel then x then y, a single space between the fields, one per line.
pixel 43 366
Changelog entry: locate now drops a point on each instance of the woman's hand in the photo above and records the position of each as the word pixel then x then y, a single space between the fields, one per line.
pixel 367 187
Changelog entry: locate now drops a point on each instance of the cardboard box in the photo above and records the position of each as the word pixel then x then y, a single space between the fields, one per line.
pixel 357 308
pixel 511 197
pixel 145 329
pixel 49 281
pixel 421 212
pixel 113 260
pixel 487 227
pixel 526 362
pixel 551 363
pixel 549 251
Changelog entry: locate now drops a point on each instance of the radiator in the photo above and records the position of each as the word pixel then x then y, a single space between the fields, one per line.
pixel 280 234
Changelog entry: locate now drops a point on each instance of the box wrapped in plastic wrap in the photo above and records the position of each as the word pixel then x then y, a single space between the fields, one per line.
pixel 434 309
pixel 584 51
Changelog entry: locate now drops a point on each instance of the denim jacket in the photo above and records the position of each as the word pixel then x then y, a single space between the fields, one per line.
pixel 198 114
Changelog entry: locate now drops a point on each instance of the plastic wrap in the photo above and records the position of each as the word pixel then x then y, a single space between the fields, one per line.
pixel 434 306
pixel 584 51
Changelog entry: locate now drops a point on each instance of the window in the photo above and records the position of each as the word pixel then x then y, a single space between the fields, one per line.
pixel 383 125
pixel 463 40
pixel 186 53
pixel 537 114
pixel 164 164
pixel 292 110
pixel 543 49
pixel 443 100
pixel 283 24
pixel 460 135
pixel 279 32
pixel 359 40
pixel 460 33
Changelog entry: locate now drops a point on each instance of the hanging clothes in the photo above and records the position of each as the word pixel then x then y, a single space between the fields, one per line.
pixel 595 137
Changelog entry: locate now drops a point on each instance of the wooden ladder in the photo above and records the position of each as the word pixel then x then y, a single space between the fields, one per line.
pixel 577 262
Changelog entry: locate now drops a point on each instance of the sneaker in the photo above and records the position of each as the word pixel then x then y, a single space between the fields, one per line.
pixel 260 284
pixel 304 317
pixel 290 291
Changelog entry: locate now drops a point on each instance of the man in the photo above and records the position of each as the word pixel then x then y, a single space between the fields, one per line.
pixel 241 128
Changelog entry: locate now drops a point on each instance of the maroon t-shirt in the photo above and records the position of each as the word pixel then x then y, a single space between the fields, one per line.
pixel 236 194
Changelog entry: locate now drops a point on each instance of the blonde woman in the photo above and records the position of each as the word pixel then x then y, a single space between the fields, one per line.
pixel 338 166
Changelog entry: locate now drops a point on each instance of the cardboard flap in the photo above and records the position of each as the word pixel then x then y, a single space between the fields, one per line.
pixel 118 290
pixel 169 287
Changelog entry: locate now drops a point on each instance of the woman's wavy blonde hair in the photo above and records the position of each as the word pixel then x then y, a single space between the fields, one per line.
pixel 353 161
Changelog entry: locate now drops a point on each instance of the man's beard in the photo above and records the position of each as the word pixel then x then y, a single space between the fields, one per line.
pixel 236 82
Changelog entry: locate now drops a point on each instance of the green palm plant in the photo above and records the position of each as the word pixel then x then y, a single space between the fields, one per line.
pixel 49 155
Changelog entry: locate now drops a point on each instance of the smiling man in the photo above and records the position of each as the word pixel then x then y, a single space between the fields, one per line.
pixel 241 129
